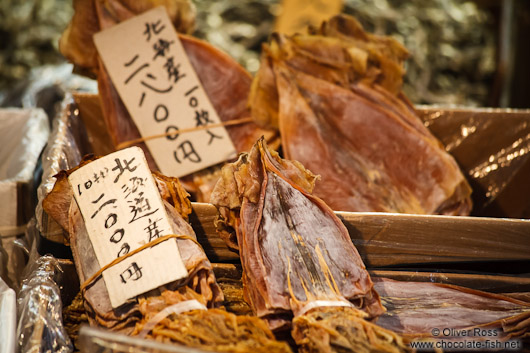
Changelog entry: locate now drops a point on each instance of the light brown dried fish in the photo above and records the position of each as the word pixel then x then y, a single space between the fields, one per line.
pixel 336 100
pixel 297 257
pixel 415 308
pixel 200 282
pixel 219 330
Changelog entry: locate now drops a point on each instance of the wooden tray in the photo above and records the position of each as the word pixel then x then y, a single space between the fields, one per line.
pixel 385 239
pixel 390 240
pixel 487 283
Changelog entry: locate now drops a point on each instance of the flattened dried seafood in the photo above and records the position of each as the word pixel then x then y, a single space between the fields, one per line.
pixel 297 256
pixel 200 282
pixel 224 80
pixel 335 96
pixel 217 330
pixel 415 308
pixel 154 314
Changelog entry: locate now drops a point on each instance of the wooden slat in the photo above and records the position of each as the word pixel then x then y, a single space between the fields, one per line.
pixel 395 239
pixel 488 283
pixel 399 239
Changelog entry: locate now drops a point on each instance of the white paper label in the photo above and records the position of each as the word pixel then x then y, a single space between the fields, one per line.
pixel 157 83
pixel 122 210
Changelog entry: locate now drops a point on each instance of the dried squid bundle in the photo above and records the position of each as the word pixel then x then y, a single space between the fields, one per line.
pixel 216 330
pixel 335 97
pixel 297 257
pixel 169 311
pixel 415 308
pixel 226 83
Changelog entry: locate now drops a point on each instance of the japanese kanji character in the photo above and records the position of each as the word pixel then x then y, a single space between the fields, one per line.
pixel 135 183
pixel 108 202
pixel 121 168
pixel 173 71
pixel 152 229
pixel 153 27
pixel 133 272
pixel 212 137
pixel 161 47
pixel 202 118
pixel 188 152
pixel 139 206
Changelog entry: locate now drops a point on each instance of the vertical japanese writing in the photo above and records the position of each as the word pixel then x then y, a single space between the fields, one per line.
pixel 157 83
pixel 132 273
pixel 122 210
pixel 185 149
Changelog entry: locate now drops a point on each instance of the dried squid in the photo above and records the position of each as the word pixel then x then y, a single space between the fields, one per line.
pixel 298 261
pixel 335 97
pixel 154 314
pixel 414 309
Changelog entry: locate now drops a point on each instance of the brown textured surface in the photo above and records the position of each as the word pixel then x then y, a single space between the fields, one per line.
pixel 335 97
pixel 402 239
pixel 294 250
pixel 229 279
pixel 414 309
pixel 201 279
pixel 329 329
pixel 226 83
pixel 219 331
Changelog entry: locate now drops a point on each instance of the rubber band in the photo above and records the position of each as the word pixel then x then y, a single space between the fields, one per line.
pixel 129 143
pixel 322 303
pixel 116 261
pixel 188 305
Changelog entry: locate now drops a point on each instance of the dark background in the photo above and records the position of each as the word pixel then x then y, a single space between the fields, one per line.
pixel 467 53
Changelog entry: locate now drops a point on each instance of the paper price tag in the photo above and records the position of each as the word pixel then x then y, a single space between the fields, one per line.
pixel 297 15
pixel 122 210
pixel 156 81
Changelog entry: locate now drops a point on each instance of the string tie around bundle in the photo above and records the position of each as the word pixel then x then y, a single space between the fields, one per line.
pixel 116 261
pixel 174 309
pixel 129 143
